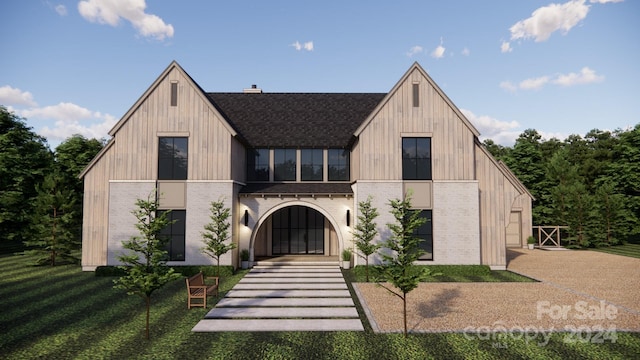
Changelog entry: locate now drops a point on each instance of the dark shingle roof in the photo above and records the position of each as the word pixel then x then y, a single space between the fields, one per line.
pixel 296 119
pixel 302 188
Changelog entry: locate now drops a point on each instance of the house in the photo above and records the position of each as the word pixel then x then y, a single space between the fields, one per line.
pixel 292 167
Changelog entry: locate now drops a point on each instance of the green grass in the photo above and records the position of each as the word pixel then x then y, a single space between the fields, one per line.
pixel 449 273
pixel 64 313
pixel 631 250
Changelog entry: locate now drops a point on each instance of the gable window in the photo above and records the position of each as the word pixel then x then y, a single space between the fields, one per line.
pixel 338 161
pixel 425 232
pixel 284 165
pixel 175 234
pixel 258 165
pixel 416 158
pixel 172 158
pixel 416 95
pixel 174 93
pixel 311 164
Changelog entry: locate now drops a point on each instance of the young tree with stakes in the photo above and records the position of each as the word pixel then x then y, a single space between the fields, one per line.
pixel 217 233
pixel 399 264
pixel 145 265
pixel 365 231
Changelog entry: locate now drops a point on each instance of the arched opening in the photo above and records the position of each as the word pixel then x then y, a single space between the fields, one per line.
pixel 295 229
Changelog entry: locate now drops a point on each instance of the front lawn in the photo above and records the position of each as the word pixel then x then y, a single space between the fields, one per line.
pixel 449 273
pixel 631 250
pixel 64 313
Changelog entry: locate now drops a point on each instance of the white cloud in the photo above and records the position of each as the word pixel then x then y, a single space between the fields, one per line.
pixel 466 52
pixel 111 11
pixel 605 1
pixel 548 19
pixel 501 132
pixel 505 47
pixel 306 46
pixel 14 96
pixel 438 52
pixel 533 83
pixel 415 50
pixel 61 10
pixel 586 76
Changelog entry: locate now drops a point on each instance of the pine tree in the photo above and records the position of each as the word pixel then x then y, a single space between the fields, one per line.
pixel 399 264
pixel 217 233
pixel 365 231
pixel 145 265
pixel 54 237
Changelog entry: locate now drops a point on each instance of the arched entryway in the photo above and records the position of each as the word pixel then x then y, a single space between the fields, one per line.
pixel 295 229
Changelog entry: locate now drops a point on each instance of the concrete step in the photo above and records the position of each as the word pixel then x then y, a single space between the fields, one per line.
pixel 296 263
pixel 218 325
pixel 281 312
pixel 291 280
pixel 295 270
pixel 284 302
pixel 288 286
pixel 288 293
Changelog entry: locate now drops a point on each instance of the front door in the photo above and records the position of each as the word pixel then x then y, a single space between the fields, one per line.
pixel 297 230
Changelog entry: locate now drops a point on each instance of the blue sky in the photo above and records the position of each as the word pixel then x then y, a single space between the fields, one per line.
pixel 561 68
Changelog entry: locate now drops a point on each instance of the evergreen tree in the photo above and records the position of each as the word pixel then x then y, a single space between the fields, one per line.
pixel 610 220
pixel 145 265
pixel 365 231
pixel 217 233
pixel 399 264
pixel 24 161
pixel 53 237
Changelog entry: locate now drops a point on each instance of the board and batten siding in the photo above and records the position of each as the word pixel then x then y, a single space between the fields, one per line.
pixel 452 141
pixel 136 147
pixel 498 197
pixel 95 217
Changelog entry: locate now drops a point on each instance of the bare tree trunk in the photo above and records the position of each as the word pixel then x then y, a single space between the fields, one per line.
pixel 404 305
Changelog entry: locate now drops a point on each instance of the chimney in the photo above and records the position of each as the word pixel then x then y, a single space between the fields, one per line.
pixel 254 90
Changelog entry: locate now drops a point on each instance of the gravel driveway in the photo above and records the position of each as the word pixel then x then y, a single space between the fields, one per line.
pixel 579 291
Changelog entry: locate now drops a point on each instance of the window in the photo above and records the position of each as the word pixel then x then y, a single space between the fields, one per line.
pixel 175 234
pixel 174 94
pixel 172 158
pixel 416 95
pixel 425 232
pixel 284 167
pixel 338 165
pixel 311 166
pixel 258 165
pixel 416 158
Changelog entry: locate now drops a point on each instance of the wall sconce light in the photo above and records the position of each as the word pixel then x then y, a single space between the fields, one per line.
pixel 348 218
pixel 246 217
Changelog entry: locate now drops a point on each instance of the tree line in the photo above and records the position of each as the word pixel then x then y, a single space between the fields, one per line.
pixel 40 192
pixel 590 184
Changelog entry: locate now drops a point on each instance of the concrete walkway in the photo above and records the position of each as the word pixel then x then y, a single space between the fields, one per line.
pixel 291 297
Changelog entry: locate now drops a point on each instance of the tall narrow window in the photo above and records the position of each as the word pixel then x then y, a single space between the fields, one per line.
pixel 312 163
pixel 338 161
pixel 172 158
pixel 258 165
pixel 174 94
pixel 174 233
pixel 425 233
pixel 284 165
pixel 416 158
pixel 416 95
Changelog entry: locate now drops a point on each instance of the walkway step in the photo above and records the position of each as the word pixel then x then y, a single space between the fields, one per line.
pixel 213 325
pixel 290 280
pixel 296 263
pixel 285 302
pixel 288 293
pixel 289 286
pixel 281 312
pixel 286 298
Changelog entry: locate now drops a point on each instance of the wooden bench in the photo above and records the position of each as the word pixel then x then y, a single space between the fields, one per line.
pixel 197 289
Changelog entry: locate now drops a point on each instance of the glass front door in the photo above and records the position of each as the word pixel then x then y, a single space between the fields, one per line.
pixel 297 230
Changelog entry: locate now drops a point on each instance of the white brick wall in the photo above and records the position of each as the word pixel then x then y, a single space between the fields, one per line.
pixel 456 222
pixel 122 201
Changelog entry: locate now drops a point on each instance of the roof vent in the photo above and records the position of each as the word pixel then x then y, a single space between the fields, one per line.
pixel 254 90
